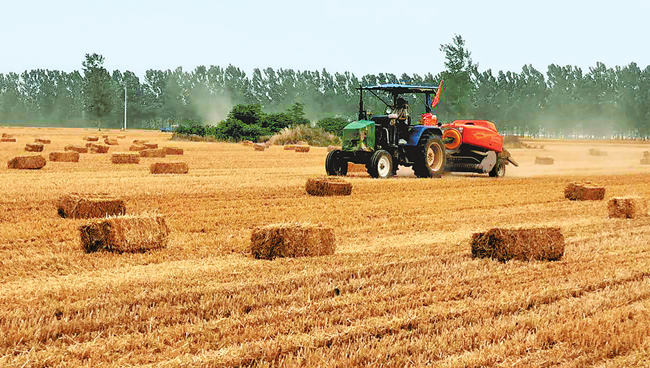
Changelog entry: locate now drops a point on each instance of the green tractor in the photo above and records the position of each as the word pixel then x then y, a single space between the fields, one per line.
pixel 384 142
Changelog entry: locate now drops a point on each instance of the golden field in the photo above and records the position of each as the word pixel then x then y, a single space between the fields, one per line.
pixel 401 289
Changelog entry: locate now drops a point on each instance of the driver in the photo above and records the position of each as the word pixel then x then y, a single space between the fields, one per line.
pixel 400 119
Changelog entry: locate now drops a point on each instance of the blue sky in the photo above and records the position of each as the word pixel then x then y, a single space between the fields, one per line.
pixel 359 36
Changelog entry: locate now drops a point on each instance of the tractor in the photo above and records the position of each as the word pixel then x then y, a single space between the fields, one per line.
pixel 384 142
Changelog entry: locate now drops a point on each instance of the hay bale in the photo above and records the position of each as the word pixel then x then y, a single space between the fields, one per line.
pixel 173 150
pixel 152 153
pixel 111 141
pixel 68 156
pixel 78 205
pixel 168 168
pixel 627 207
pixel 328 186
pixel 597 152
pixel 259 146
pixel 137 147
pixel 42 140
pixel 150 145
pixel 5 135
pixel 125 234
pixel 301 148
pixel 125 158
pixel 99 148
pixel 544 160
pixel 91 138
pixel 356 168
pixel 289 147
pixel 333 148
pixel 247 143
pixel 139 141
pixel 292 240
pixel 521 244
pixel 30 162
pixel 34 147
pixel 7 139
pixel 76 148
pixel 586 191
pixel 645 161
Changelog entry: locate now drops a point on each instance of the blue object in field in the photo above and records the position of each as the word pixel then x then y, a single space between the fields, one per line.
pixel 418 130
pixel 167 130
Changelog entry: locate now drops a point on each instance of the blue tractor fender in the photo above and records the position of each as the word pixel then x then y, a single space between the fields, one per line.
pixel 417 132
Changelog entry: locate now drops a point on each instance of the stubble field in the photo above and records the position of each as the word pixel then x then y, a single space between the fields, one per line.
pixel 401 289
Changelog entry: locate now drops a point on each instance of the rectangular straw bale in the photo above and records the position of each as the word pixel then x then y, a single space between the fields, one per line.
pixel 173 151
pixel 520 244
pixel 125 234
pixel 301 148
pixel 328 186
pixel 125 158
pixel 356 168
pixel 586 191
pixel 80 205
pixel 5 135
pixel 259 146
pixel 7 139
pixel 646 158
pixel 91 138
pixel 544 160
pixel 627 207
pixel 292 240
pixel 169 168
pixel 67 156
pixel 99 148
pixel 289 147
pixel 137 147
pixel 34 147
pixel 42 140
pixel 139 141
pixel 76 148
pixel 152 153
pixel 30 162
pixel 150 145
pixel 597 152
pixel 111 141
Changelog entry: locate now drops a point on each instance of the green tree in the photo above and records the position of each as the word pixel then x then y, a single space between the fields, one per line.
pixel 459 86
pixel 97 91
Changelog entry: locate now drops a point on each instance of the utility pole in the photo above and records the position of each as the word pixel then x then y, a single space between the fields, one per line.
pixel 125 107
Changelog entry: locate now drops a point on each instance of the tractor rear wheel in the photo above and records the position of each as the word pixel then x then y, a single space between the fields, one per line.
pixel 381 165
pixel 431 159
pixel 335 164
pixel 499 170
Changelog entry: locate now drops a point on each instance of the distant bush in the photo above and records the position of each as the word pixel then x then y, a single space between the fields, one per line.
pixel 189 127
pixel 333 125
pixel 305 133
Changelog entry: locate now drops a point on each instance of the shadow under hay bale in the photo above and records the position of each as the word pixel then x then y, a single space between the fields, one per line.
pixel 111 142
pixel 79 205
pixel 137 148
pixel 173 151
pixel 259 146
pixel 586 191
pixel 8 139
pixel 34 147
pixel 150 145
pixel 69 156
pixel 301 148
pixel 328 186
pixel 42 140
pixel 76 148
pixel 289 147
pixel 627 207
pixel 292 240
pixel 91 138
pixel 544 160
pixel 597 152
pixel 520 244
pixel 132 234
pixel 99 148
pixel 125 158
pixel 152 153
pixel 32 162
pixel 169 168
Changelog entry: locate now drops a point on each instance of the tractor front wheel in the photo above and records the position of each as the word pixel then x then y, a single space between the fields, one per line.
pixel 499 170
pixel 431 159
pixel 335 164
pixel 381 165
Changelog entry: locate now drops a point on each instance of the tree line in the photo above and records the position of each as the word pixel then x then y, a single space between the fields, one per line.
pixel 563 100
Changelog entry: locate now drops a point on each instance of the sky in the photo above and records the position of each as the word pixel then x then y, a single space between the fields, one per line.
pixel 399 36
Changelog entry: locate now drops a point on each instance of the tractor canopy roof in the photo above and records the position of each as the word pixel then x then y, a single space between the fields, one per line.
pixel 400 88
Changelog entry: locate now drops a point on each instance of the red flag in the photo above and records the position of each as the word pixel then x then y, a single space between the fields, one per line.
pixel 437 98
